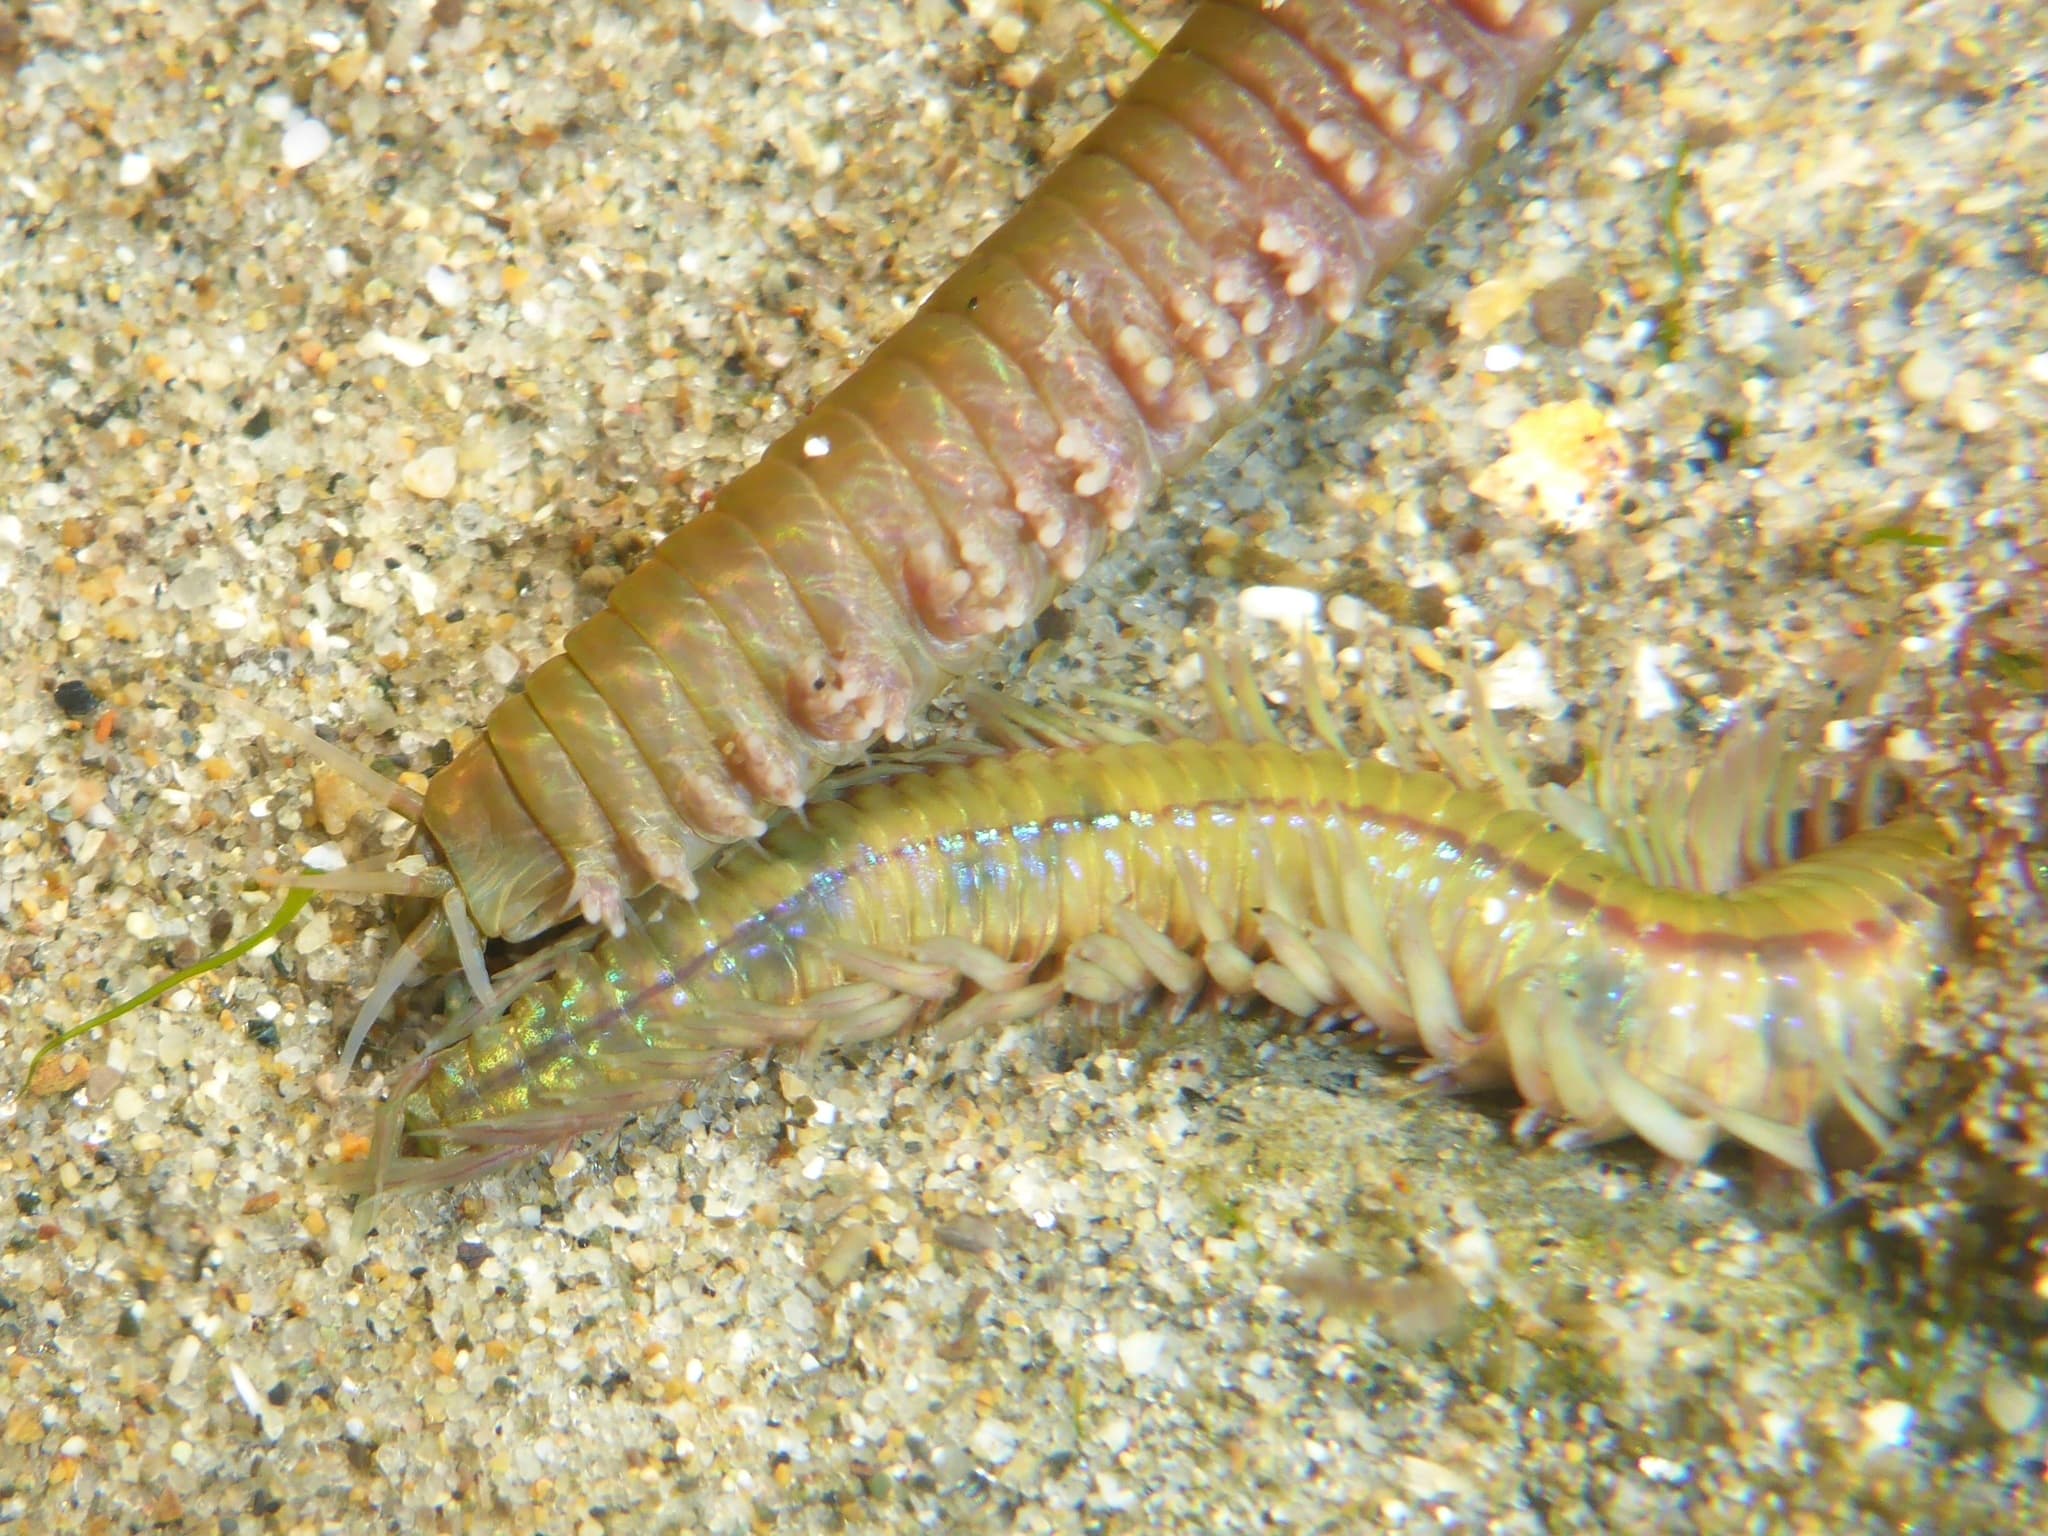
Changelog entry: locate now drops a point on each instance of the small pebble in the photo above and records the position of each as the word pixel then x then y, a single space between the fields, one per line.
pixel 1565 311
pixel 333 800
pixel 2011 1402
pixel 1289 606
pixel 754 17
pixel 1474 1261
pixel 404 350
pixel 1887 1425
pixel 304 142
pixel 1653 694
pixel 128 1104
pixel 1520 679
pixel 993 1442
pixel 1350 614
pixel 314 935
pixel 77 700
pixel 135 169
pixel 325 857
pixel 1560 456
pixel 1487 306
pixel 1926 378
pixel 845 1256
pixel 61 1073
pixel 446 287
pixel 431 475
pixel 1965 407
pixel 1140 1353
pixel 969 1234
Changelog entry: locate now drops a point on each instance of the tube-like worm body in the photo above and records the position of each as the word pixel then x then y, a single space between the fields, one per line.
pixel 1741 970
pixel 1256 182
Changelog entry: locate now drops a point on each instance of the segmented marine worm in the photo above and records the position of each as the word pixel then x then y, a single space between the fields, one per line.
pixel 1743 962
pixel 1258 179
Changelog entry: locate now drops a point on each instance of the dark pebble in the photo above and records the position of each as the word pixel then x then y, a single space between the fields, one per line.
pixel 77 700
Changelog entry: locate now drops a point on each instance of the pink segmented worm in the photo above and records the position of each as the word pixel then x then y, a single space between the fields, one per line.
pixel 1233 210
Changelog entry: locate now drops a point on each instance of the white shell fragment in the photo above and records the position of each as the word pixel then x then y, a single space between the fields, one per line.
pixel 1651 688
pixel 446 287
pixel 1562 458
pixel 432 474
pixel 1520 679
pixel 305 141
pixel 1292 607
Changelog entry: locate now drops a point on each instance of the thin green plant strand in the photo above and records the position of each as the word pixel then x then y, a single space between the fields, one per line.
pixel 1114 15
pixel 294 903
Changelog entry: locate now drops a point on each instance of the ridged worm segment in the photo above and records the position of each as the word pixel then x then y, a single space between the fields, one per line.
pixel 1258 179
pixel 1738 959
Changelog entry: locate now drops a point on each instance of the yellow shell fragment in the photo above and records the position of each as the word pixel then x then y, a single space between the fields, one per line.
pixel 1560 458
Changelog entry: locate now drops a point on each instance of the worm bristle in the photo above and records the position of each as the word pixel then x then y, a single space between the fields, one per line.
pixel 387 792
pixel 400 965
